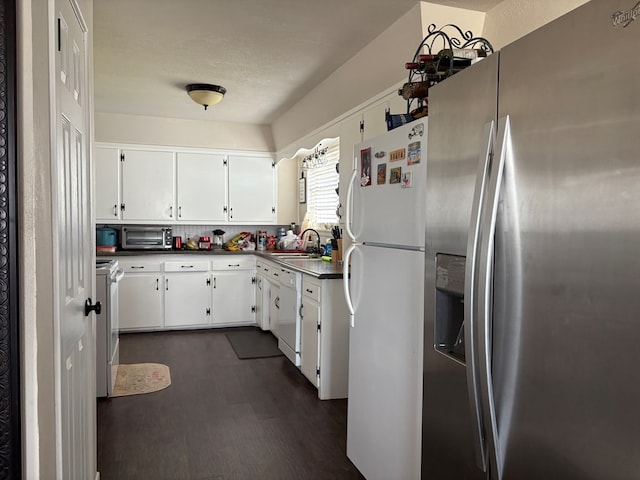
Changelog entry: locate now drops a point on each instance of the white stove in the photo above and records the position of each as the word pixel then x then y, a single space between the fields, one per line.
pixel 108 274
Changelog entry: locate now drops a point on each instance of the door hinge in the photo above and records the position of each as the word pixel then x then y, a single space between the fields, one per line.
pixel 209 311
pixel 208 281
pixel 273 164
pixel 273 209
pixel 361 126
pixel 319 328
pixel 253 309
pixel 225 209
pixel 225 161
pixel 122 157
pixel 253 280
pixel 318 372
pixel 122 207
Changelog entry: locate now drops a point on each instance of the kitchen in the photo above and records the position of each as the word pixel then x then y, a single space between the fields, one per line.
pixel 145 134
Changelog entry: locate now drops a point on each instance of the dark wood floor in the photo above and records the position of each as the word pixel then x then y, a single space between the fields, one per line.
pixel 221 418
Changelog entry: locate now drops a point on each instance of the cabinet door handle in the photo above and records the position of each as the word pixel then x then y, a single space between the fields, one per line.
pixel 214 282
pixel 136 267
pixel 234 265
pixel 115 210
pixel 166 284
pixel 157 284
pixel 301 307
pixel 180 211
pixel 186 266
pixel 308 291
pixel 276 302
pixel 170 211
pixel 231 212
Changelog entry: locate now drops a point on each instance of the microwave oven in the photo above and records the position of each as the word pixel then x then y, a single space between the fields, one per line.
pixel 145 238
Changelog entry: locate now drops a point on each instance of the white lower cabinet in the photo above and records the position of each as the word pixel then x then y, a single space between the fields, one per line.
pixel 325 337
pixel 271 273
pixel 274 307
pixel 160 292
pixel 233 298
pixel 263 291
pixel 310 348
pixel 234 290
pixel 187 293
pixel 141 295
pixel 187 299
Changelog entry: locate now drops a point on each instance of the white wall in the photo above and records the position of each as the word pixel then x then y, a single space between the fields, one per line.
pixel 121 128
pixel 376 68
pixel 513 19
pixel 36 274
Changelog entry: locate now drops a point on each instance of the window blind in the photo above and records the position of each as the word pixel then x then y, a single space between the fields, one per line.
pixel 322 181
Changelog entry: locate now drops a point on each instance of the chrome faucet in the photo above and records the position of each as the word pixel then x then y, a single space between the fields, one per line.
pixel 317 248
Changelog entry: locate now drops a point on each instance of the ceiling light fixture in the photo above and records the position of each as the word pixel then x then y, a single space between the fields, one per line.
pixel 206 94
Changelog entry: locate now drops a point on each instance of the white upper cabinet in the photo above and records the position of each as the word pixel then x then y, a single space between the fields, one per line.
pixel 107 189
pixel 139 184
pixel 148 183
pixel 202 187
pixel 251 190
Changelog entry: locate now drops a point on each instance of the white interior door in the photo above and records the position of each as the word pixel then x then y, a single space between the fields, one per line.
pixel 75 382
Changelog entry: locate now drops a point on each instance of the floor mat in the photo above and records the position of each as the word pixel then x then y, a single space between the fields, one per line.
pixel 253 344
pixel 139 378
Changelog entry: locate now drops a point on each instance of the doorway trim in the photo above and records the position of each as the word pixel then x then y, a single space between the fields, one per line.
pixel 10 418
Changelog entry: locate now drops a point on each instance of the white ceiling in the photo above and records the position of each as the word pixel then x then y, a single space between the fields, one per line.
pixel 267 53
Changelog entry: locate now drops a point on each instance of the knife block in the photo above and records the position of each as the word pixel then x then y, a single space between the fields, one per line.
pixel 336 253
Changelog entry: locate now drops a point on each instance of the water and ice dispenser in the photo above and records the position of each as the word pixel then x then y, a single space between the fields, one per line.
pixel 449 324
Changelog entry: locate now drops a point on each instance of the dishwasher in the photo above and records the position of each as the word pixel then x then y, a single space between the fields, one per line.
pixel 289 315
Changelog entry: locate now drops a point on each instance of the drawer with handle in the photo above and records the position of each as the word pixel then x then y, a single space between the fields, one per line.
pixel 187 266
pixel 310 289
pixel 140 266
pixel 227 262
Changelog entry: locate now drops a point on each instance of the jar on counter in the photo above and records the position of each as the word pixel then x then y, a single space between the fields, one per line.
pixel 271 242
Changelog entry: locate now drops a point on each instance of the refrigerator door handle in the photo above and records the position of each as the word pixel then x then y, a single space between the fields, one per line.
pixel 471 294
pixel 349 207
pixel 485 294
pixel 345 282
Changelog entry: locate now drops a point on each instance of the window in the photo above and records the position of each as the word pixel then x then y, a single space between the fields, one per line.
pixel 322 182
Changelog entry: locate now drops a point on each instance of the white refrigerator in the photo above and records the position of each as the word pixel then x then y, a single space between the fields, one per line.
pixel 384 279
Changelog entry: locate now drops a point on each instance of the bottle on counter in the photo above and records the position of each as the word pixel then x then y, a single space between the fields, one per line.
pixel 261 240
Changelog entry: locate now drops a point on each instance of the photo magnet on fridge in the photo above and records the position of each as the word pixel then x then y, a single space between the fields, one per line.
pixel 365 167
pixel 397 155
pixel 395 175
pixel 414 153
pixel 407 180
pixel 382 173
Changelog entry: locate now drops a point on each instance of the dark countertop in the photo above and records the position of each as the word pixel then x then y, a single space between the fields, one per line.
pixel 311 266
pixel 137 253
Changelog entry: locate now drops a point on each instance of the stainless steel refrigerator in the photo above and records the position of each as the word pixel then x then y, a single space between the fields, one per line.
pixel 532 269
pixel 384 285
